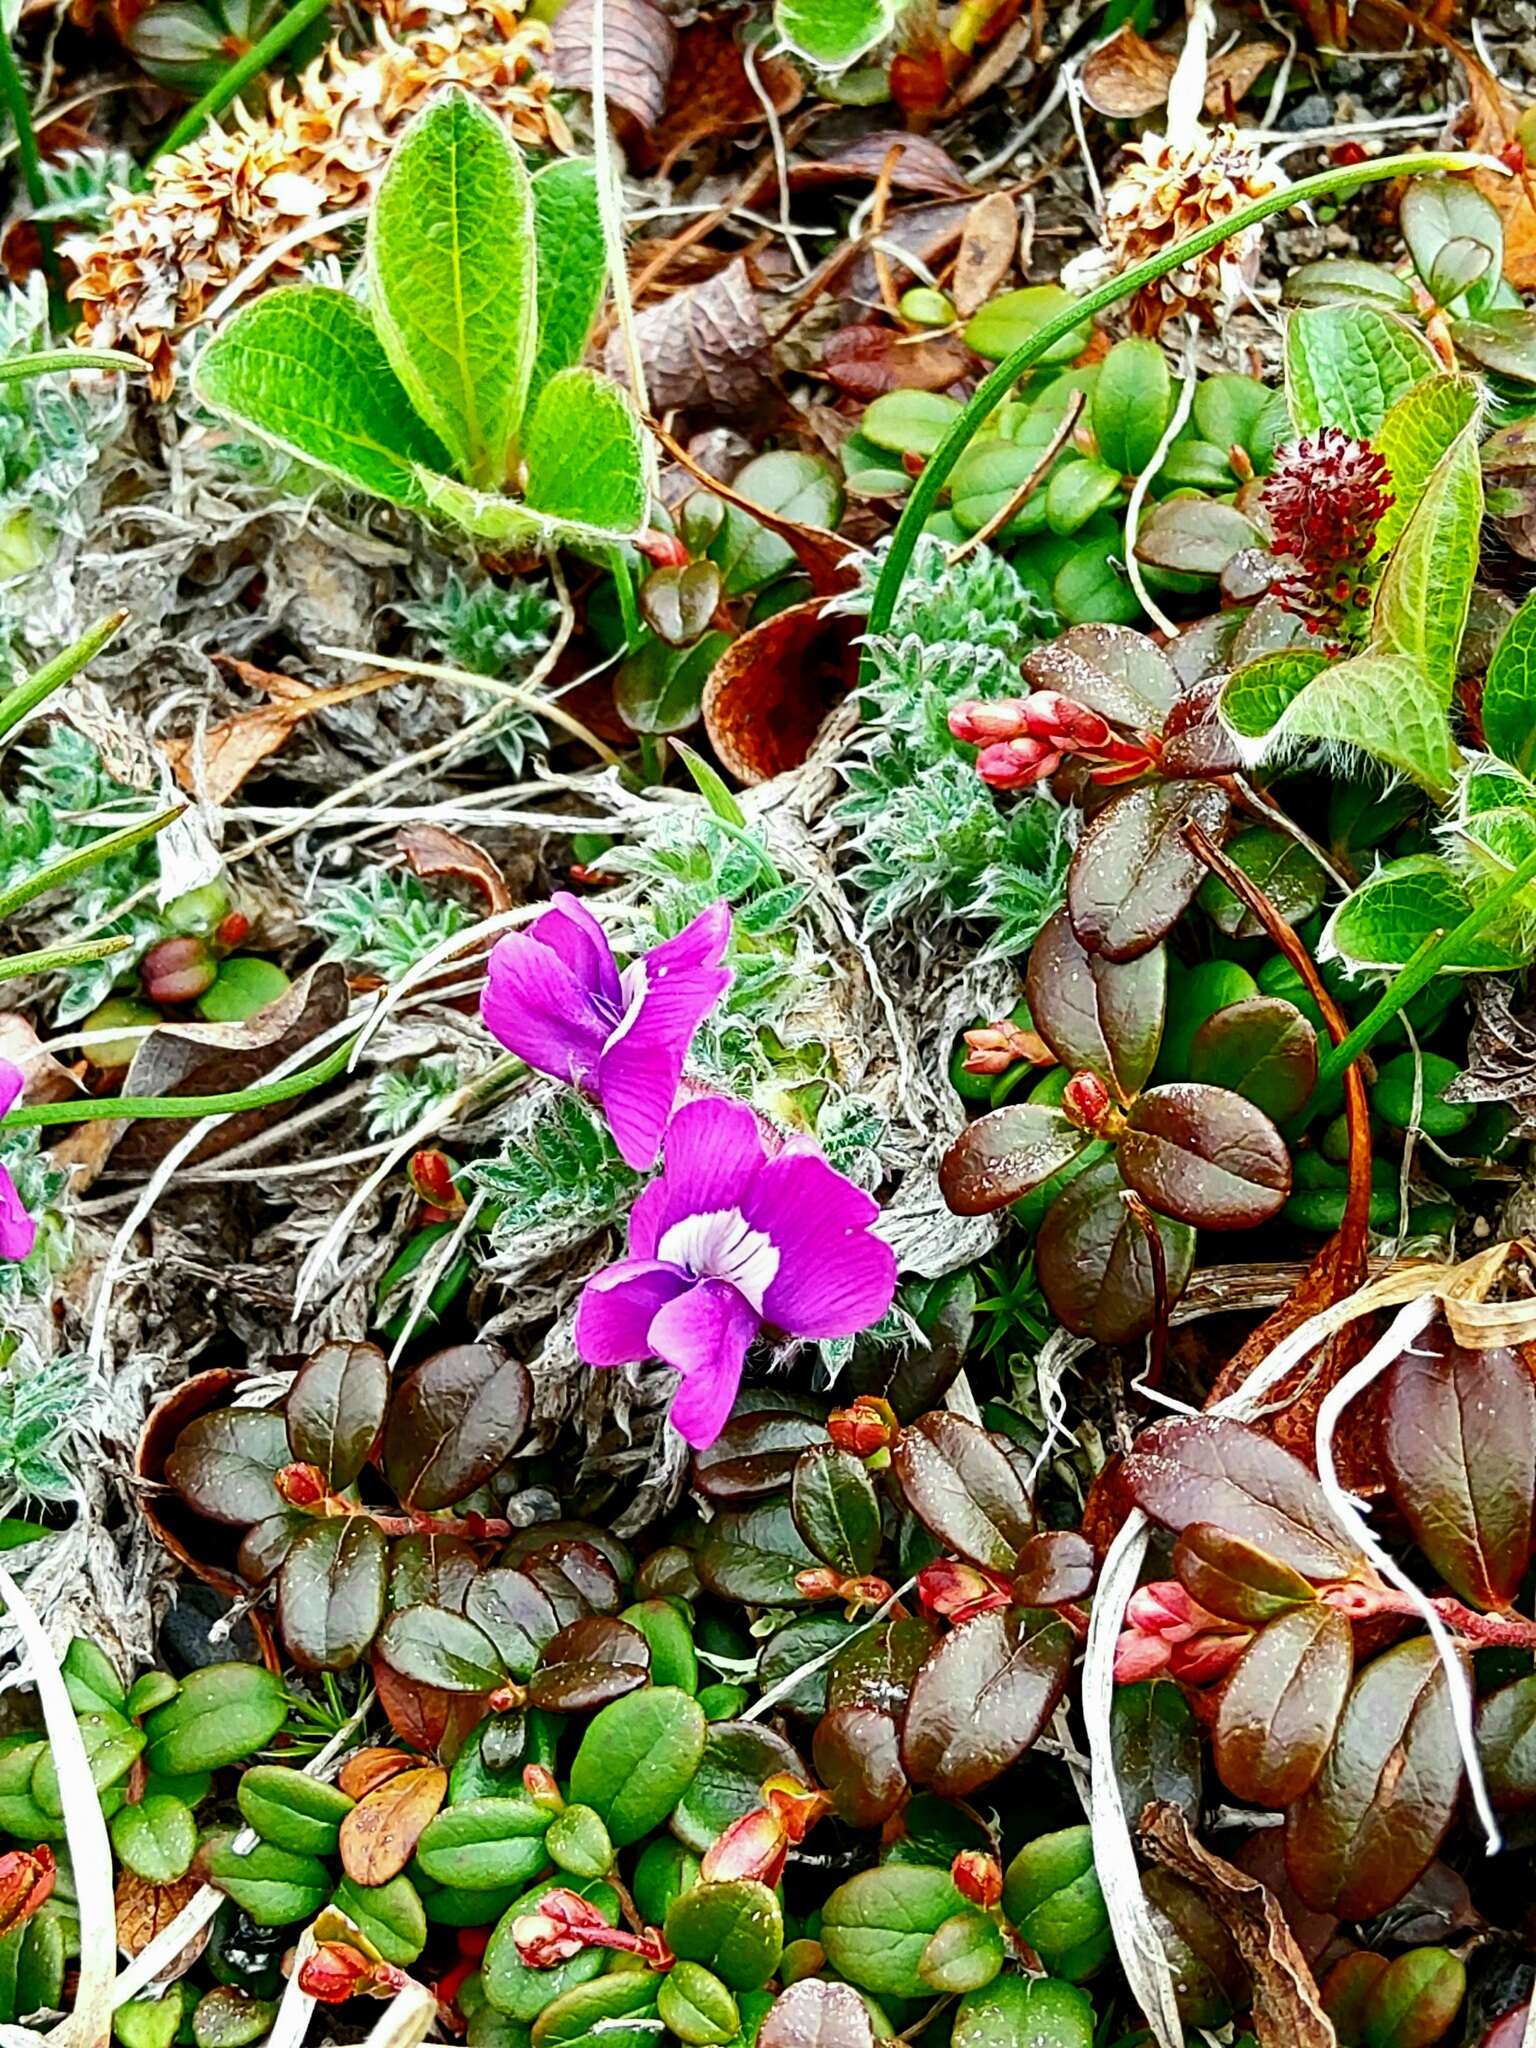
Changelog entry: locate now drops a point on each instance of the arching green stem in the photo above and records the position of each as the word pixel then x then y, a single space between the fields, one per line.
pixel 995 387
pixel 109 1107
pixel 239 75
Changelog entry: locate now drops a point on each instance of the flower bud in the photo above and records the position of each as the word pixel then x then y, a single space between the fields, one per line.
pixel 866 1428
pixel 540 1785
pixel 863 1592
pixel 1168 1631
pixel 798 1806
pixel 978 1877
pixel 1014 764
pixel 178 970
pixel 1050 716
pixel 754 1846
pixel 664 549
pixel 301 1486
pixel 961 1591
pixel 1085 1101
pixel 560 1927
pixel 231 931
pixel 431 1175
pixel 994 1048
pixel 337 1971
pixel 26 1881
pixel 819 1583
pixel 977 722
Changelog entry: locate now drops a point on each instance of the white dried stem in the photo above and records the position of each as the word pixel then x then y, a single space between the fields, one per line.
pixel 406 2020
pixel 85 1829
pixel 1189 375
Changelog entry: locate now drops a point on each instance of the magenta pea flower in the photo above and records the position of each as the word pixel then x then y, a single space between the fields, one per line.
pixel 727 1239
pixel 18 1230
pixel 555 997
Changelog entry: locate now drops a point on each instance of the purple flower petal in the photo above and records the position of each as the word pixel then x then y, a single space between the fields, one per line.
pixel 833 1276
pixel 570 929
pixel 667 995
pixel 713 1149
pixel 18 1230
pixel 12 1081
pixel 618 1307
pixel 705 1334
pixel 538 1009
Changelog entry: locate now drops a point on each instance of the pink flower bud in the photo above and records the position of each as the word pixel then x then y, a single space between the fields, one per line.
pixel 1168 1630
pixel 540 1784
pixel 1085 1101
pixel 560 1926
pixel 337 1971
pixel 1050 716
pixel 1014 764
pixel 753 1847
pixel 977 1876
pixel 994 1048
pixel 978 722
pixel 178 970
pixel 26 1882
pixel 869 1426
pixel 960 1591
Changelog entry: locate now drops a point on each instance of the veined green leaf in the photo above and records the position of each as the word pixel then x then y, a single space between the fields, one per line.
pixel 1421 602
pixel 585 460
pixel 451 254
pixel 1387 919
pixel 1384 705
pixel 832 34
pixel 1415 435
pixel 1345 366
pixel 1509 692
pixel 571 267
pixel 1255 697
pixel 304 368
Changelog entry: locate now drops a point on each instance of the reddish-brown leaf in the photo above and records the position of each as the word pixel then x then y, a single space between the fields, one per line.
pixel 983 1697
pixel 704 347
pixel 639 45
pixel 710 95
pixel 858 1760
pixel 769 693
pixel 425 1716
pixel 379 1835
pixel 145 1910
pixel 434 850
pixel 370 1768
pixel 920 166
pixel 867 360
pixel 986 252
pixel 1280 1707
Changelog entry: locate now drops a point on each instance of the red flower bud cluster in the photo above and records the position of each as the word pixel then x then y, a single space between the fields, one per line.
pixel 978 1877
pixel 563 1924
pixel 337 1971
pixel 961 1591
pixel 26 1882
pixel 756 1845
pixel 1167 1631
pixel 1325 498
pixel 1025 739
pixel 866 1429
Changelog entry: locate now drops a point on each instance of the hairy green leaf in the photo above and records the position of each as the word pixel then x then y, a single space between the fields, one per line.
pixel 1421 604
pixel 832 34
pixel 585 462
pixel 1414 438
pixel 571 267
pixel 1389 917
pixel 1346 365
pixel 1509 691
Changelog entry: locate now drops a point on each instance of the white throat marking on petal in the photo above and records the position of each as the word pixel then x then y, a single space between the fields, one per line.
pixel 719 1244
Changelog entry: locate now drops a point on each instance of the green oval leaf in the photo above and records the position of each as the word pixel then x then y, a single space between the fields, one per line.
pixel 637 1759
pixel 220 1716
pixel 734 1929
pixel 1262 1049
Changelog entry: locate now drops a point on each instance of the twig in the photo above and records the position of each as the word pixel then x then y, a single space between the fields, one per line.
pixel 884 275
pixel 1011 508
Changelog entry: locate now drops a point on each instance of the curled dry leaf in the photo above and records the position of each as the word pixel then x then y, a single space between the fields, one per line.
pixel 145 1910
pixel 986 252
pixel 1286 2010
pixel 639 46
pixel 212 765
pixel 868 359
pixel 710 95
pixel 433 850
pixel 921 166
pixel 1127 77
pixel 704 348
pixel 769 692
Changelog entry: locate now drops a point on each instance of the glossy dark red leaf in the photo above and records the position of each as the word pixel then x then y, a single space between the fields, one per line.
pixel 1207 1468
pixel 857 1754
pixel 335 1408
pixel 836 1509
pixel 1006 1153
pixel 1100 1014
pixel 983 1697
pixel 962 1485
pixel 755 1454
pixel 224 1462
pixel 1264 1049
pixel 515 1612
pixel 869 360
pixel 1459 1434
pixel 1132 875
pixel 593 1661
pixel 454 1423
pixel 1387 1794
pixel 1506 1742
pixel 330 1593
pixel 1095 1262
pixel 1236 1579
pixel 1280 1706
pixel 1205 1156
pixel 1057 1565
pixel 1121 674
pixel 878 1666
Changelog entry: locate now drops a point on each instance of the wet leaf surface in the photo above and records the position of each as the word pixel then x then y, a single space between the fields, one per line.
pixel 453 1423
pixel 983 1697
pixel 857 1754
pixel 1281 1705
pixel 589 1663
pixel 1263 1049
pixel 1210 1469
pixel 962 1485
pixel 334 1409
pixel 1205 1156
pixel 224 1462
pixel 1095 1013
pixel 1132 874
pixel 1095 1262
pixel 836 1510
pixel 331 1593
pixel 379 1835
pixel 1006 1153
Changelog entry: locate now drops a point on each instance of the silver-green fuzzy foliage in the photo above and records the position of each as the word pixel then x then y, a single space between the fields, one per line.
pixel 926 834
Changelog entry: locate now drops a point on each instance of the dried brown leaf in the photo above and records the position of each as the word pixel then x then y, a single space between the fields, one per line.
pixel 639 48
pixel 1127 77
pixel 710 93
pixel 434 850
pixel 769 692
pixel 379 1835
pixel 213 764
pixel 706 346
pixel 868 359
pixel 921 166
pixel 145 1910
pixel 1286 2009
pixel 986 252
